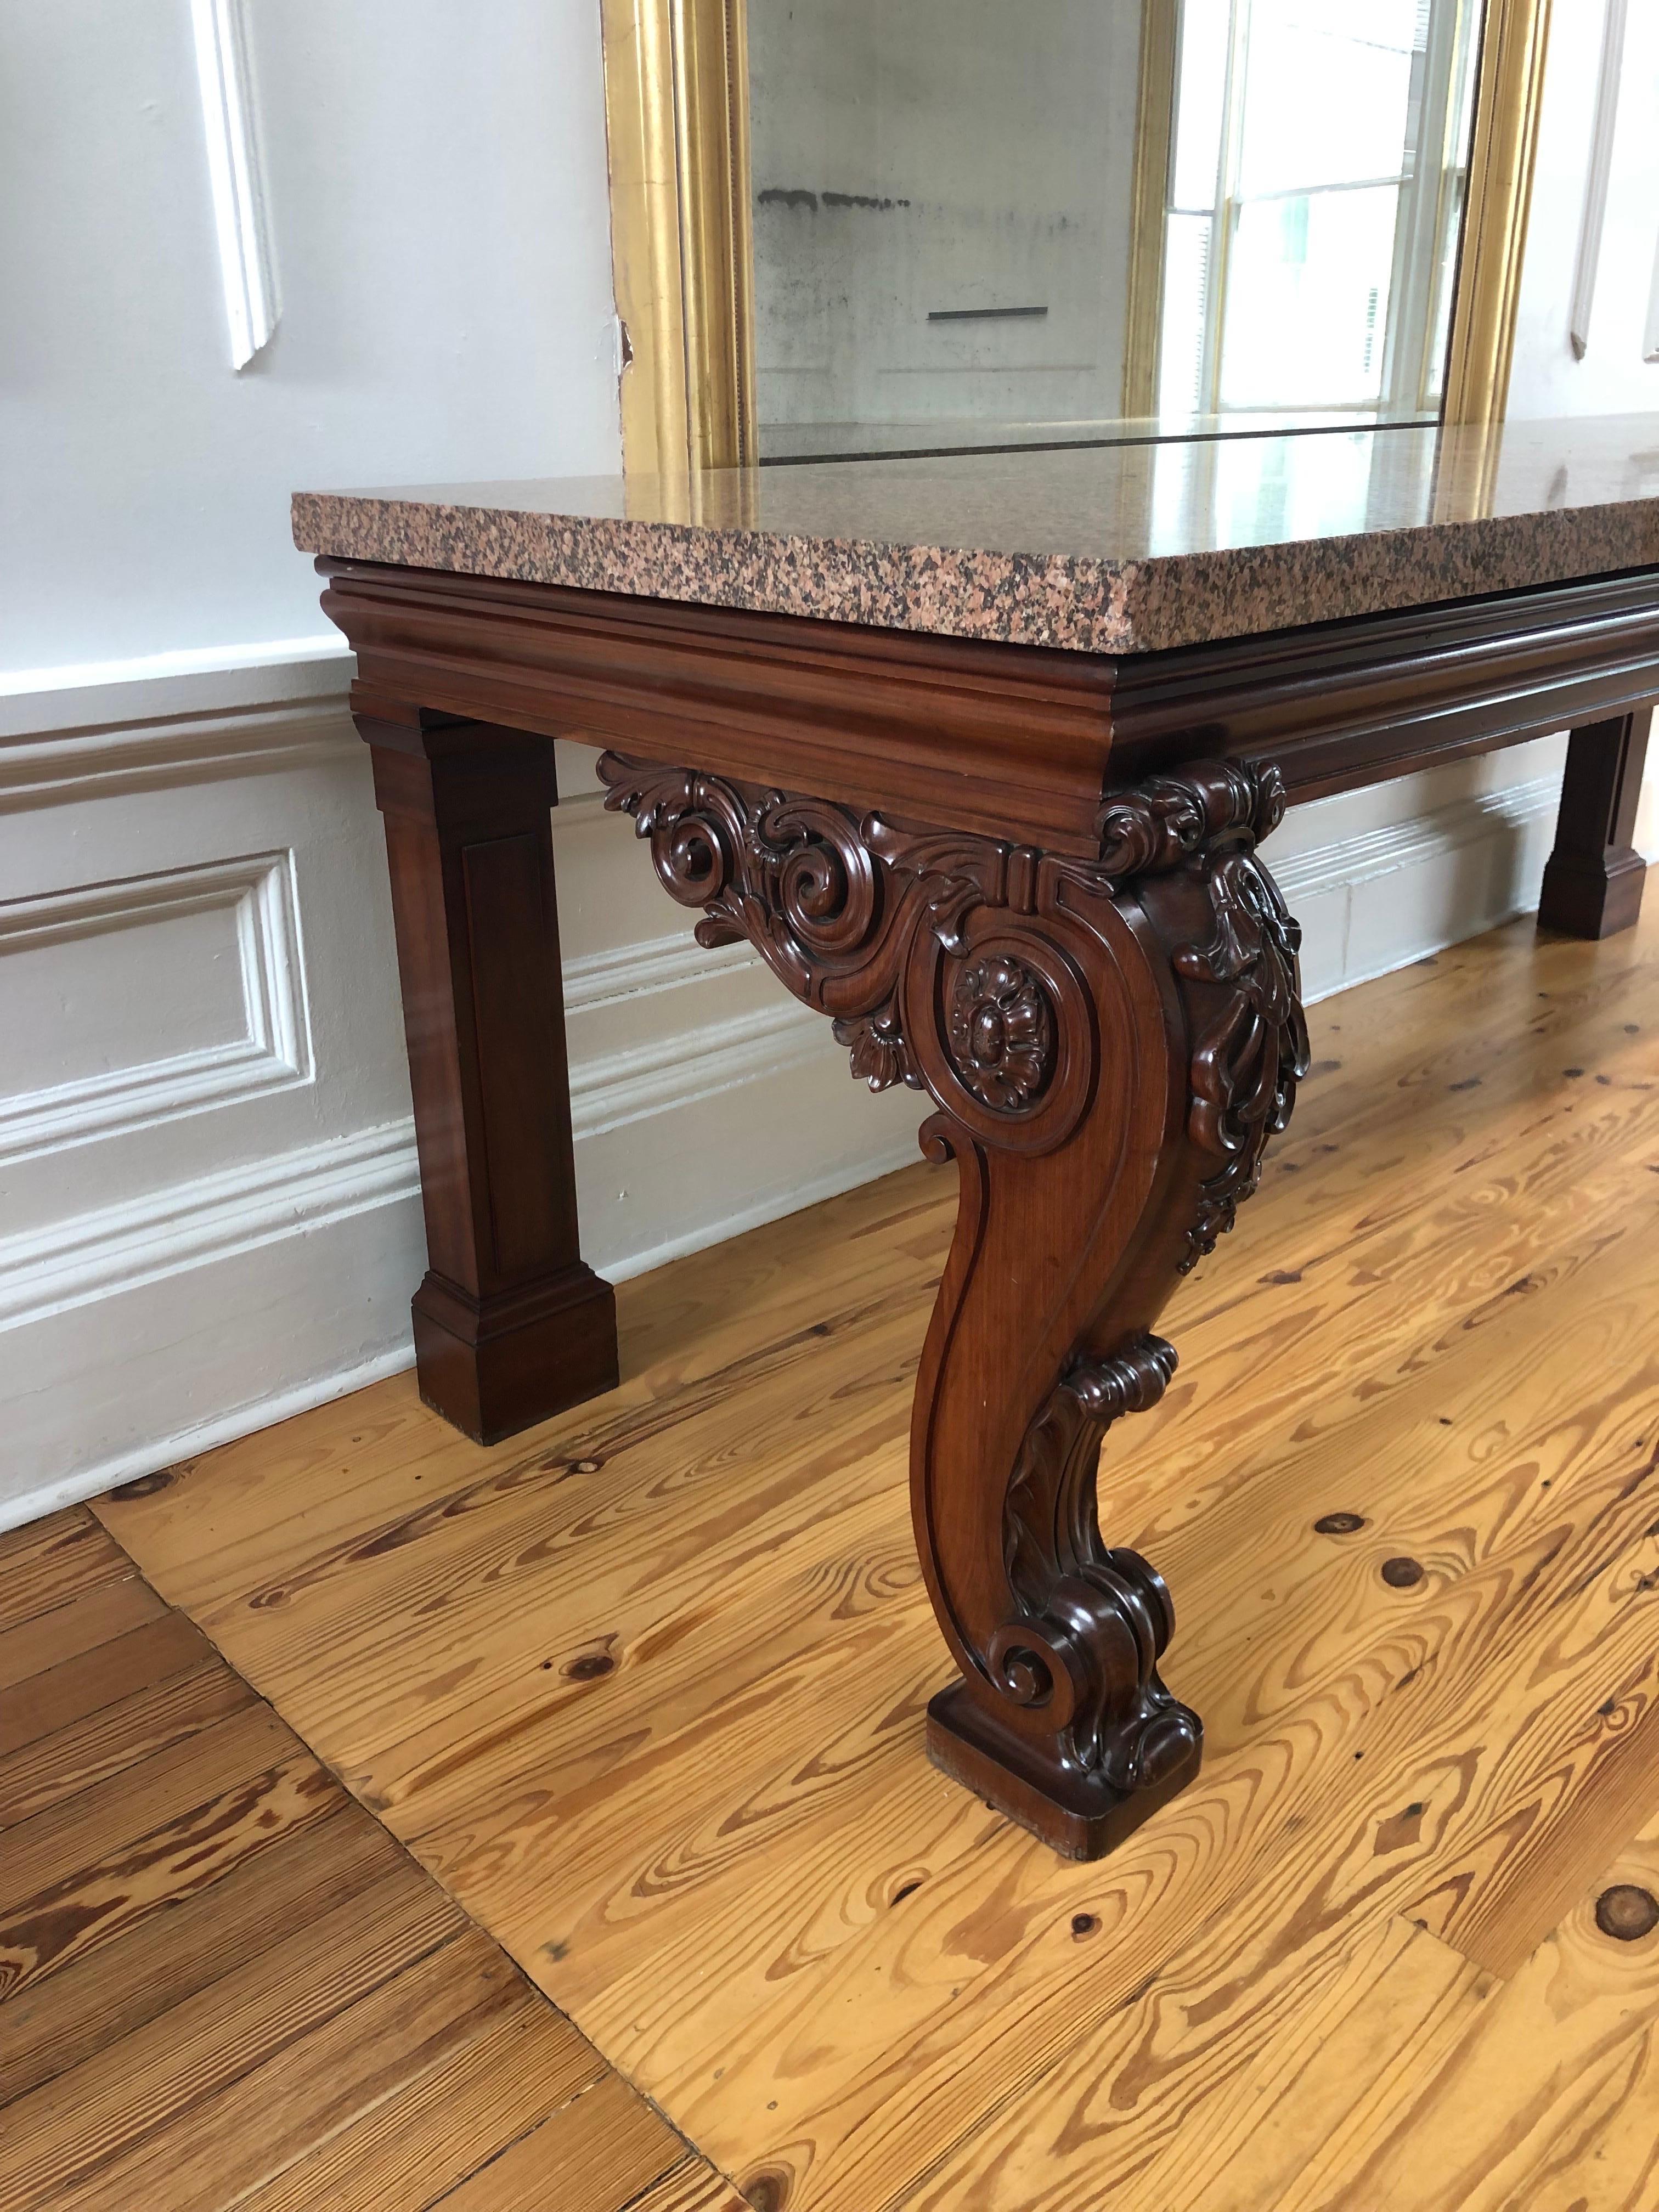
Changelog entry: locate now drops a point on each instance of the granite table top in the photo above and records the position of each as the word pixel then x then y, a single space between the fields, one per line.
pixel 1116 549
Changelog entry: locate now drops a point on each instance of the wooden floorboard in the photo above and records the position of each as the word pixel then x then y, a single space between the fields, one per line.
pixel 643 1691
pixel 222 1983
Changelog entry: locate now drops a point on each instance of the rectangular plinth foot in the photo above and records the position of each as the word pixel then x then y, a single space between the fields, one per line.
pixel 496 1366
pixel 1088 1821
pixel 1592 896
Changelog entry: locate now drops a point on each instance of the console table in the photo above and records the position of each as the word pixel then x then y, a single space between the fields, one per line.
pixel 978 754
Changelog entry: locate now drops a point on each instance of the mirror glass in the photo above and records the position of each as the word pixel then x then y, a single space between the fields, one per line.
pixel 978 224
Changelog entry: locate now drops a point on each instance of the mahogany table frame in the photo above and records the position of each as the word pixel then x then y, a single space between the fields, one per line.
pixel 1024 881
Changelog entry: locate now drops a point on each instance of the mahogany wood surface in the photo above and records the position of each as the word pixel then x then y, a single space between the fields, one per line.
pixel 1009 740
pixel 1593 879
pixel 1023 883
pixel 511 1324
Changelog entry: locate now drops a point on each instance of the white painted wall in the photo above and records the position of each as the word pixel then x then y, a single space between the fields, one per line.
pixel 439 224
pixel 208 1207
pixel 1613 379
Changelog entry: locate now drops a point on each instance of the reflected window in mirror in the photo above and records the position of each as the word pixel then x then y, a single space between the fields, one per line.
pixel 1315 193
pixel 976 225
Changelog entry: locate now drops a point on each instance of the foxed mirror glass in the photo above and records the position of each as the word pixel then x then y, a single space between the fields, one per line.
pixel 978 224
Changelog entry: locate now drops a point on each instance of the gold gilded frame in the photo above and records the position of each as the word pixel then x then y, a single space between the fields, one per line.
pixel 676 112
pixel 681 253
pixel 1508 99
pixel 1160 40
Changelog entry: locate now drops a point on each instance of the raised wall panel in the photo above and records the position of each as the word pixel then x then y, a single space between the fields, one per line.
pixel 131 1002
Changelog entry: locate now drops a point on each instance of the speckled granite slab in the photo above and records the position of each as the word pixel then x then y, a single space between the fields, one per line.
pixel 1125 549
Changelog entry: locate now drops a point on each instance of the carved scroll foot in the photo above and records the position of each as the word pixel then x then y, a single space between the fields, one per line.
pixel 1110 1744
pixel 1110 1043
pixel 1080 1815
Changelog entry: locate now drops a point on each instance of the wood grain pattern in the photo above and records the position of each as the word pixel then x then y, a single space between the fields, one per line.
pixel 304 2091
pixel 76 1625
pixel 118 1814
pixel 139 1970
pixel 847 1983
pixel 78 1688
pixel 1546 2096
pixel 79 1902
pixel 222 1983
pixel 690 2186
pixel 598 2151
pixel 48 1562
pixel 510 1323
pixel 500 2077
pixel 121 2095
pixel 107 1742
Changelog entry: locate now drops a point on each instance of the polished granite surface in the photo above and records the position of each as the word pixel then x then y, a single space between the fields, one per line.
pixel 1122 548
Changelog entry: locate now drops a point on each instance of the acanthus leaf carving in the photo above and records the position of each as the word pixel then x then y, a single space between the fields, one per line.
pixel 835 902
pixel 1169 819
pixel 1253 1050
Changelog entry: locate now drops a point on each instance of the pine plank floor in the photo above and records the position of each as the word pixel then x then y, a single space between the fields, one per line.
pixel 222 1983
pixel 643 1691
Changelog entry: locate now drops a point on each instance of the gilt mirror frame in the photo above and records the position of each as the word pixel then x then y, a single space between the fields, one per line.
pixel 676 110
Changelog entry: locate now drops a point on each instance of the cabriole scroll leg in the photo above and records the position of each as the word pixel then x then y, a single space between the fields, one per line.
pixel 1109 1044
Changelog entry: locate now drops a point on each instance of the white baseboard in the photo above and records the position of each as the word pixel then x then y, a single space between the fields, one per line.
pixel 150 1456
pixel 198 1224
pixel 1372 898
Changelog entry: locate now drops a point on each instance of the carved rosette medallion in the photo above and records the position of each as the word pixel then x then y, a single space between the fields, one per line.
pixel 1000 1031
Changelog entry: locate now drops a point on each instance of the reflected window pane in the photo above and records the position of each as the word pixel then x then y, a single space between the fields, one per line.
pixel 1308 300
pixel 975 224
pixel 1186 286
pixel 1327 93
pixel 1206 33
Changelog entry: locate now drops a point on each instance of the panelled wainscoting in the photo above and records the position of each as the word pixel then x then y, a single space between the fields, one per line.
pixel 209 1194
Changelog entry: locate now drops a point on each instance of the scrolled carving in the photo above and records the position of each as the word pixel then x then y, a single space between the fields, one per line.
pixel 1001 1029
pixel 1082 1657
pixel 1253 1050
pixel 826 887
pixel 1169 818
pixel 856 914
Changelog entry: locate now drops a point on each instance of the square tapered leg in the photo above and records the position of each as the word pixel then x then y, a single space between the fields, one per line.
pixel 511 1325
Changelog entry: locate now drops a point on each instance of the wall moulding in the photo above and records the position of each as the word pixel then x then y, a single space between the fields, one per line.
pixel 255 900
pixel 202 1222
pixel 236 174
pixel 1596 182
pixel 67 765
